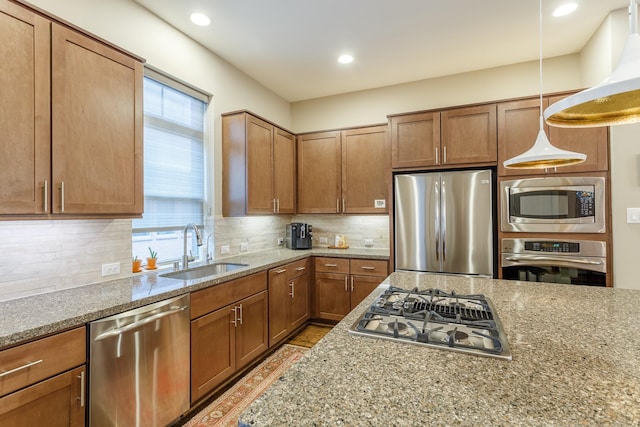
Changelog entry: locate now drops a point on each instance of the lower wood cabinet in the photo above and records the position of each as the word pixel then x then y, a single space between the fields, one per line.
pixel 43 382
pixel 229 329
pixel 289 306
pixel 341 284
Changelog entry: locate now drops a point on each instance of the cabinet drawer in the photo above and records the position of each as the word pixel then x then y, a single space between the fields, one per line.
pixel 29 363
pixel 369 267
pixel 297 268
pixel 210 299
pixel 332 265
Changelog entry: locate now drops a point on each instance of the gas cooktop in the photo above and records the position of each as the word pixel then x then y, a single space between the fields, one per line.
pixel 438 319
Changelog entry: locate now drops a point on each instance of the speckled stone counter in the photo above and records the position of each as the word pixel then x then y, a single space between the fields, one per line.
pixel 576 361
pixel 31 317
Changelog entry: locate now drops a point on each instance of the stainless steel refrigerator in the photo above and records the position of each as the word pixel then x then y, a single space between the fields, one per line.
pixel 443 222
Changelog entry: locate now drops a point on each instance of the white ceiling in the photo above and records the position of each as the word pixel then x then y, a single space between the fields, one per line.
pixel 291 46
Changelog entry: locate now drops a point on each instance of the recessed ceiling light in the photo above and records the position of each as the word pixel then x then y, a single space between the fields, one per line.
pixel 565 9
pixel 200 19
pixel 345 59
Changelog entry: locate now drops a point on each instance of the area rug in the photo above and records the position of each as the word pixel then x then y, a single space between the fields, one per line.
pixel 225 410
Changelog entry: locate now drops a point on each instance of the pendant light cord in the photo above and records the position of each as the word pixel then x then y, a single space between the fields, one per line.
pixel 540 56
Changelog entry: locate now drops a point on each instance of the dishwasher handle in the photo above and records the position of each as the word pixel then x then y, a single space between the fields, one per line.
pixel 119 331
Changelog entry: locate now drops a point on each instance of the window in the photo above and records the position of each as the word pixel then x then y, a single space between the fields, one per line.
pixel 174 170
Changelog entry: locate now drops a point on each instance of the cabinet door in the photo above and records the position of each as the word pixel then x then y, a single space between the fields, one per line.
pixel 259 166
pixel 319 173
pixel 252 334
pixel 213 356
pixel 278 305
pixel 415 140
pixel 25 111
pixel 366 169
pixel 284 171
pixel 469 135
pixel 332 295
pixel 518 126
pixel 361 287
pixel 56 402
pixel 594 142
pixel 96 127
pixel 299 301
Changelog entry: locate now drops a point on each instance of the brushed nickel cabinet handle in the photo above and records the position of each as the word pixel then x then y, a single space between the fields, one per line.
pixel 301 268
pixel 346 284
pixel 241 314
pixel 436 155
pixel 293 289
pixel 19 368
pixel 277 205
pixel 351 283
pixel 331 265
pixel 235 316
pixel 45 198
pixel 444 154
pixel 344 209
pixel 273 202
pixel 366 267
pixel 82 391
pixel 62 196
pixel 338 205
pixel 282 270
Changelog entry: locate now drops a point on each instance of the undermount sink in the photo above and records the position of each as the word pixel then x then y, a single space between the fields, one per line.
pixel 204 271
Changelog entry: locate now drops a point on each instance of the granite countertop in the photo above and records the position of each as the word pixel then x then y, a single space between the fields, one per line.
pixel 576 361
pixel 31 317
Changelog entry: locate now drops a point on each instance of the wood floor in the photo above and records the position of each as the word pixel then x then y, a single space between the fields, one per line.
pixel 310 335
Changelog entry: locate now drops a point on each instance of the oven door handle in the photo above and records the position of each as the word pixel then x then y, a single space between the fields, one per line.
pixel 555 259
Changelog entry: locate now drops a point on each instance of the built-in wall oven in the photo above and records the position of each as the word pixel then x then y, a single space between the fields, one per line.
pixel 576 262
pixel 553 205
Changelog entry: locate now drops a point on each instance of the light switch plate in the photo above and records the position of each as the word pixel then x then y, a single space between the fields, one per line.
pixel 368 243
pixel 633 215
pixel 225 249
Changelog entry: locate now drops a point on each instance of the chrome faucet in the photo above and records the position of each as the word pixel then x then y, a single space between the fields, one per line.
pixel 186 258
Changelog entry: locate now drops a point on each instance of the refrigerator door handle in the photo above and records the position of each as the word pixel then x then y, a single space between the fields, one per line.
pixel 443 221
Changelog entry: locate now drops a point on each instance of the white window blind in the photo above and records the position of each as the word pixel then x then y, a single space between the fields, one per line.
pixel 174 169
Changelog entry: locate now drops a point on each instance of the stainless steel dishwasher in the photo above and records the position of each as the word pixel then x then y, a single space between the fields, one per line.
pixel 139 366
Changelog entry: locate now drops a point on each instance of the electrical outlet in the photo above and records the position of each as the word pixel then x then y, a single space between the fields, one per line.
pixel 244 247
pixel 368 243
pixel 379 203
pixel 110 269
pixel 324 240
pixel 280 241
pixel 225 249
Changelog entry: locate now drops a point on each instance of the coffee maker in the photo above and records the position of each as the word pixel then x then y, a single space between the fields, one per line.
pixel 298 235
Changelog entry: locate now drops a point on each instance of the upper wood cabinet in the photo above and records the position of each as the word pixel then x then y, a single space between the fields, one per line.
pixel 259 167
pixel 25 121
pixel 518 126
pixel 454 137
pixel 71 123
pixel 344 171
pixel 97 122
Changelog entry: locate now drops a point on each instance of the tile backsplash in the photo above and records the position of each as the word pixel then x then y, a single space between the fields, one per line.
pixel 49 255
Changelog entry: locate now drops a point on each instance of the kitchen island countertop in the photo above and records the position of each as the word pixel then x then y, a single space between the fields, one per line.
pixel 27 318
pixel 576 361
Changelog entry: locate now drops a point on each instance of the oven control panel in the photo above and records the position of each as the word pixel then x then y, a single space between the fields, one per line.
pixel 551 246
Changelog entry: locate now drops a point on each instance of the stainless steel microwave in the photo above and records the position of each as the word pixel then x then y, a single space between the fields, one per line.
pixel 553 205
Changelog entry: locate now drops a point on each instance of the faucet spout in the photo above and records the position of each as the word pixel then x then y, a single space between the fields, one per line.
pixel 186 258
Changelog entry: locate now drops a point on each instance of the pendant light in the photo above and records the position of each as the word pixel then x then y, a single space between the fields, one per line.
pixel 543 154
pixel 616 100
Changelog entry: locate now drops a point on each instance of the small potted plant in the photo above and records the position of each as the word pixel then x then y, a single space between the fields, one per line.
pixel 151 260
pixel 136 266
